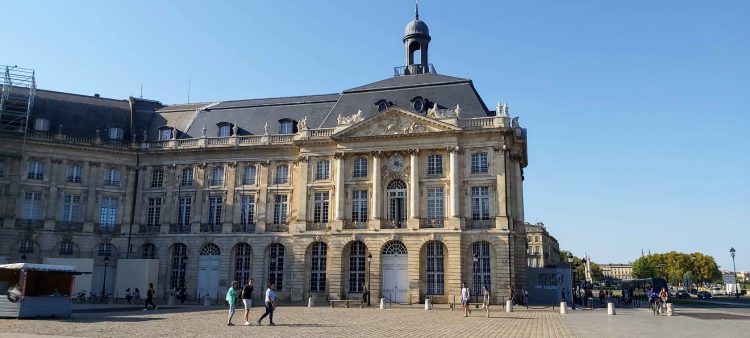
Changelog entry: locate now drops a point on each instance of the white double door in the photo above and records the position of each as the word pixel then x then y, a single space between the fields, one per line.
pixel 395 281
pixel 208 276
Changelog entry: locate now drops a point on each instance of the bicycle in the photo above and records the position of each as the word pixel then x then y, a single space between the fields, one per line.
pixel 657 307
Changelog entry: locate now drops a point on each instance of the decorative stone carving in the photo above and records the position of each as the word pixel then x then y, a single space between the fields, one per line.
pixel 396 126
pixel 235 129
pixel 265 129
pixel 344 120
pixel 514 123
pixel 501 109
pixel 395 237
pixel 303 123
pixel 203 131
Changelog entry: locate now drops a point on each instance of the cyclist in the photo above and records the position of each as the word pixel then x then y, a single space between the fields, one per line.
pixel 653 297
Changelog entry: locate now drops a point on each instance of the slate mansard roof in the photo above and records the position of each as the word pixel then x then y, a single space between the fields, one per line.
pixel 80 115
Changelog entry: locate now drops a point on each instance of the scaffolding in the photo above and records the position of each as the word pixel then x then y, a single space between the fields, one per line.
pixel 17 100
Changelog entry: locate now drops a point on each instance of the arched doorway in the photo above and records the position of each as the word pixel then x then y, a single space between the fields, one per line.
pixel 208 270
pixel 396 195
pixel 395 278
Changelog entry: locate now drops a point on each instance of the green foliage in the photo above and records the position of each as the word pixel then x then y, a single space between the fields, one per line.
pixel 673 266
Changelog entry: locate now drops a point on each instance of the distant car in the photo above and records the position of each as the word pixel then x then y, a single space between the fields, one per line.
pixel 682 294
pixel 717 290
pixel 704 295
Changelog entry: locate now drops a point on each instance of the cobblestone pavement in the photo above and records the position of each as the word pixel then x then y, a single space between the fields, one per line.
pixel 296 322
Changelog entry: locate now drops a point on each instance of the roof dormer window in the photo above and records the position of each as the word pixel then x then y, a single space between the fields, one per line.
pixel 225 129
pixel 41 124
pixel 115 133
pixel 382 105
pixel 418 103
pixel 165 133
pixel 287 126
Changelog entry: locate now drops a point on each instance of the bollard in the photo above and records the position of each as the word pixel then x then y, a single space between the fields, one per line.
pixel 427 304
pixel 563 308
pixel 670 309
pixel 509 306
pixel 310 302
pixel 611 309
pixel 382 303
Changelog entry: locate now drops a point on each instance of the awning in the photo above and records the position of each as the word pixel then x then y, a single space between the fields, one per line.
pixel 39 267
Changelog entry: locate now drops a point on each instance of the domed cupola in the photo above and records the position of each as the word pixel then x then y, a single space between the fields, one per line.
pixel 416 38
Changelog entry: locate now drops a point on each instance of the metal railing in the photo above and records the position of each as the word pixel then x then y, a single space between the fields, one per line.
pixel 426 223
pixel 355 224
pixel 74 179
pixel 479 224
pixel 212 228
pixel 316 226
pixel 100 228
pixel 115 183
pixel 179 228
pixel 246 228
pixel 392 224
pixel 69 226
pixel 274 227
pixel 149 229
pixel 29 224
pixel 414 69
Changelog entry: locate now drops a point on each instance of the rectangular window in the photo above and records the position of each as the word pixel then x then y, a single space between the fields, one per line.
pixel 41 124
pixel 71 208
pixel 157 178
pixel 36 170
pixel 480 203
pixel 360 167
pixel 115 133
pixel 249 176
pixel 323 170
pixel 66 249
pixel 287 127
pixel 112 177
pixel 217 176
pixel 248 210
pixel 435 268
pixel 280 209
pixel 183 213
pixel 479 164
pixel 187 177
pixel 105 249
pixel 153 213
pixel 214 211
pixel 320 211
pixel 359 205
pixel 74 173
pixel 32 205
pixel 435 165
pixel 435 203
pixel 282 174
pixel 108 212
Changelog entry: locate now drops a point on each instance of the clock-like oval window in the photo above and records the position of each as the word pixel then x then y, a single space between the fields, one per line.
pixel 418 105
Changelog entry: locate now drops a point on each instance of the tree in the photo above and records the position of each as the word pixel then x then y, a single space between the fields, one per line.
pixel 675 266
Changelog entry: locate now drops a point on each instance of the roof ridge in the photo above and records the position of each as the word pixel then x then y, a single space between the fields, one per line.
pixel 80 95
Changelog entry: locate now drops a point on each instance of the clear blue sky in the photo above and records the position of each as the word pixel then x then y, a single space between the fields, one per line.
pixel 636 110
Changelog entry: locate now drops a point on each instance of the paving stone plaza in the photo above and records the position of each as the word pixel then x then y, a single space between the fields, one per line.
pixel 402 321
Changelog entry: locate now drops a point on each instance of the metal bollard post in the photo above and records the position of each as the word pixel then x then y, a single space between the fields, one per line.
pixel 563 308
pixel 611 309
pixel 310 302
pixel 382 303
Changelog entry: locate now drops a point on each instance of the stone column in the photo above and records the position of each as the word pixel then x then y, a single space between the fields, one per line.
pixel 230 201
pixel 453 177
pixel 414 188
pixel 340 200
pixel 264 178
pixel 197 205
pixel 377 194
pixel 301 189
pixel 54 171
pixel 502 191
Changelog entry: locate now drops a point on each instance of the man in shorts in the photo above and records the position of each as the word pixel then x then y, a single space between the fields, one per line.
pixel 247 299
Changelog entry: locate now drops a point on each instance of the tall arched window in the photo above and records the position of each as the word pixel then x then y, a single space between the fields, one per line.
pixel 148 251
pixel 276 265
pixel 435 268
pixel 179 263
pixel 481 266
pixel 242 263
pixel 357 254
pixel 318 267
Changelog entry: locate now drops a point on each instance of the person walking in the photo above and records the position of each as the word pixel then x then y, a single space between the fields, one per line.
pixel 486 301
pixel 465 294
pixel 150 294
pixel 365 293
pixel 231 299
pixel 247 299
pixel 512 295
pixel 526 298
pixel 128 296
pixel 136 296
pixel 270 304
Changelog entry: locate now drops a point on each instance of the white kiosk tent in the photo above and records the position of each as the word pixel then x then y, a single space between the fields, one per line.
pixel 36 290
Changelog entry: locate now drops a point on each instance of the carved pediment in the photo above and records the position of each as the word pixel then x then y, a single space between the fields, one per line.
pixel 395 121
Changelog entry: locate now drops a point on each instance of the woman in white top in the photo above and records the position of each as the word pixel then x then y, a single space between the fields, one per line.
pixel 270 304
pixel 465 294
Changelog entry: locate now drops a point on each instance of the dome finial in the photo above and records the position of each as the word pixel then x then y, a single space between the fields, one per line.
pixel 416 12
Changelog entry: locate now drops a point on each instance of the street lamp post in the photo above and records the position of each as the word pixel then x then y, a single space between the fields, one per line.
pixel 584 283
pixel 104 283
pixel 475 258
pixel 369 276
pixel 734 270
pixel 572 284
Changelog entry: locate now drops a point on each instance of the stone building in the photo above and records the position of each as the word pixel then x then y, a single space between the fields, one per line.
pixel 542 248
pixel 617 271
pixel 409 185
